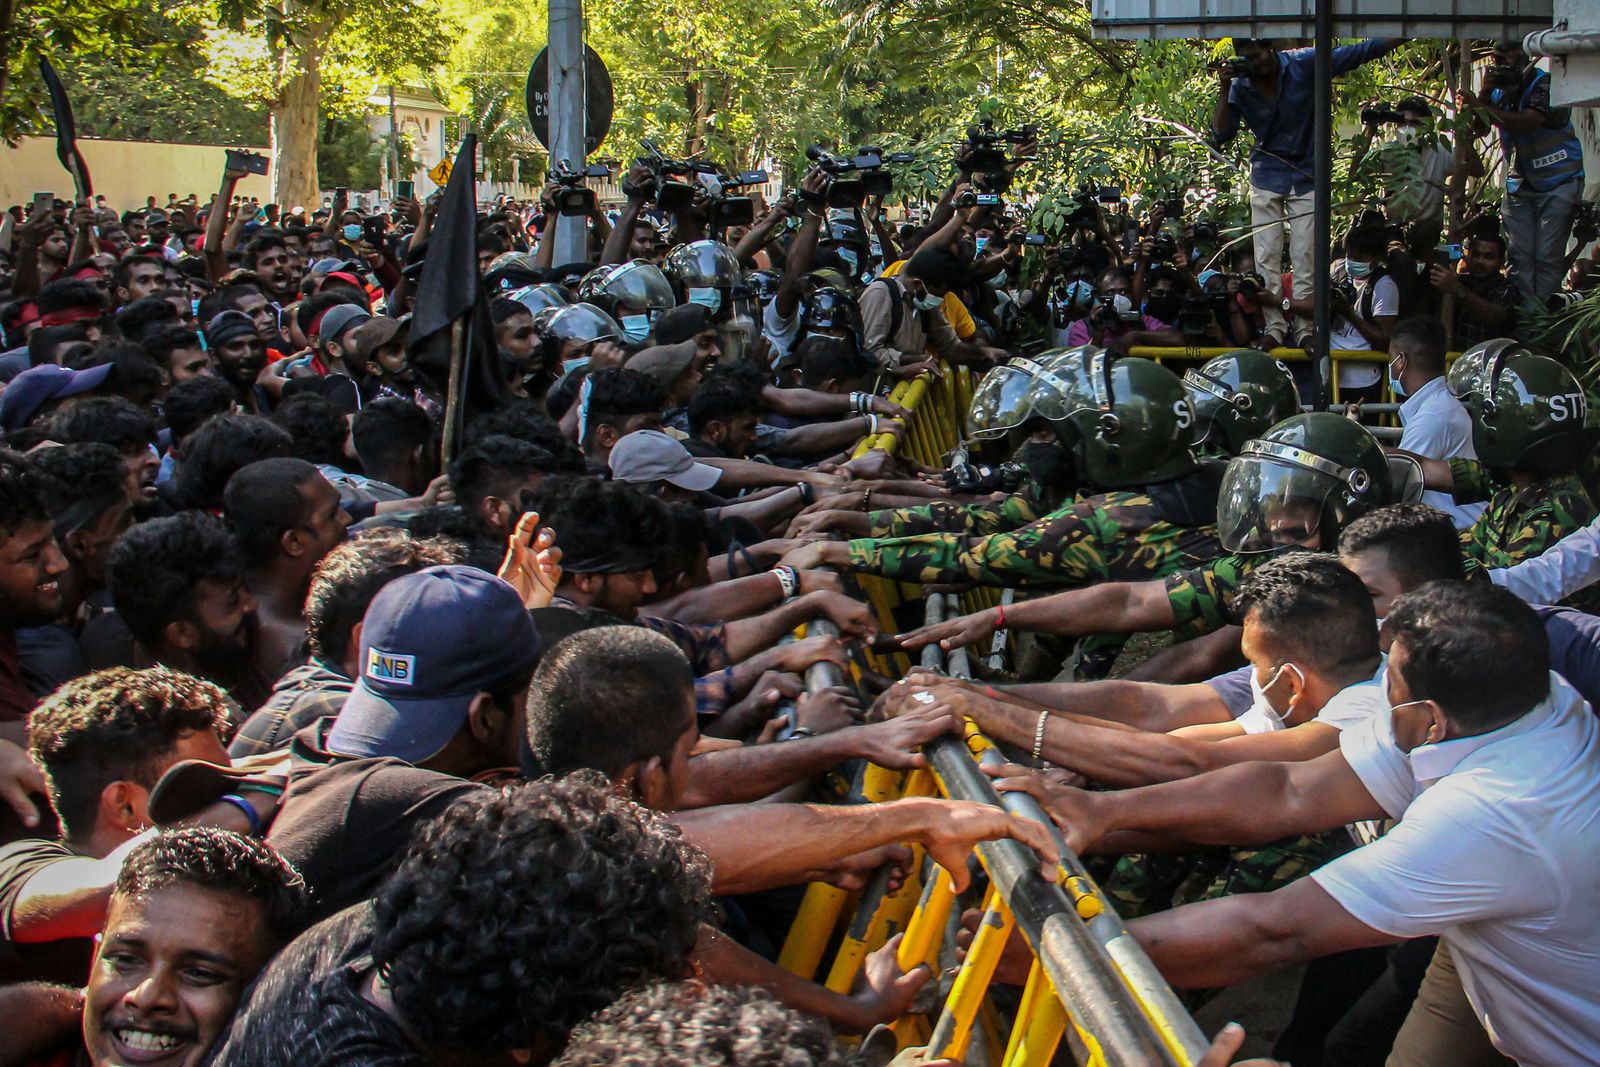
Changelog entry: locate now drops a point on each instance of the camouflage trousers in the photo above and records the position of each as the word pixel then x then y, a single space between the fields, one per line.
pixel 1142 884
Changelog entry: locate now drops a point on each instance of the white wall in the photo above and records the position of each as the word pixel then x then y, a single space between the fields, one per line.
pixel 124 172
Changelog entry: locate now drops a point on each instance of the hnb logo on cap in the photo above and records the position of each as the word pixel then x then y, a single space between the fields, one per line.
pixel 391 667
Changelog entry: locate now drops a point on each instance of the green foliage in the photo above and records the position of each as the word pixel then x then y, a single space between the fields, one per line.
pixel 348 156
pixel 73 32
pixel 152 101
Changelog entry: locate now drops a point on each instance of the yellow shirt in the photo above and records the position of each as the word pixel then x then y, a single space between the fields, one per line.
pixel 955 312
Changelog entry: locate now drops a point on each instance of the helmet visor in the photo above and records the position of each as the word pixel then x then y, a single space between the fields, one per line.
pixel 538 297
pixel 1207 397
pixel 639 285
pixel 1266 504
pixel 1405 480
pixel 584 322
pixel 1000 403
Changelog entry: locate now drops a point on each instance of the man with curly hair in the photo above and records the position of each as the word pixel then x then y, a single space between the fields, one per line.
pixel 687 1024
pixel 193 918
pixel 515 915
pixel 103 741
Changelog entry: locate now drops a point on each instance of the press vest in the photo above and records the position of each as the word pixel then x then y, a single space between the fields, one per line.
pixel 1544 157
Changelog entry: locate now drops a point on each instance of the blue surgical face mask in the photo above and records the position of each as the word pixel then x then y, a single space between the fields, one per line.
pixel 352 232
pixel 1080 294
pixel 926 301
pixel 1354 268
pixel 980 244
pixel 635 328
pixel 1394 383
pixel 998 281
pixel 851 260
pixel 577 363
pixel 710 299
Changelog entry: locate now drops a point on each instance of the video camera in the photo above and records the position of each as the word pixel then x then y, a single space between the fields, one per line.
pixel 986 160
pixel 1163 247
pixel 1086 215
pixel 971 198
pixel 670 192
pixel 574 199
pixel 851 179
pixel 727 207
pixel 1378 113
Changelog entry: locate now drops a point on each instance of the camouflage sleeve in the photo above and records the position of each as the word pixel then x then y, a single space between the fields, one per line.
pixel 1073 547
pixel 947 516
pixel 1471 482
pixel 1201 597
pixel 1504 540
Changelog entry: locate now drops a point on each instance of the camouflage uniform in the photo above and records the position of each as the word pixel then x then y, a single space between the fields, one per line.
pixel 1517 524
pixel 1142 884
pixel 1202 596
pixel 947 516
pixel 1119 536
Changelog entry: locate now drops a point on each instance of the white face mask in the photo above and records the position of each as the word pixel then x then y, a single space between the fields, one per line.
pixel 998 281
pixel 1258 694
pixel 926 301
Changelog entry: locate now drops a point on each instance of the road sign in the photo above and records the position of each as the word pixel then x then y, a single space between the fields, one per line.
pixel 440 173
pixel 599 101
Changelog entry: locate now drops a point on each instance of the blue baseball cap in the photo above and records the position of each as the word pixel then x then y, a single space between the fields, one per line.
pixel 430 643
pixel 37 386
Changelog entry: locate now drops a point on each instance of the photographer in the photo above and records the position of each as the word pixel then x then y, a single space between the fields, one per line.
pixel 1544 165
pixel 1365 310
pixel 1415 192
pixel 1113 323
pixel 1268 91
pixel 903 318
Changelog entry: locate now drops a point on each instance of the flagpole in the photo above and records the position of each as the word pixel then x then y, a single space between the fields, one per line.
pixel 452 401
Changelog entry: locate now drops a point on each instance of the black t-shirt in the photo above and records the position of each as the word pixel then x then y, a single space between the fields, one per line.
pixel 65 961
pixel 344 823
pixel 307 1007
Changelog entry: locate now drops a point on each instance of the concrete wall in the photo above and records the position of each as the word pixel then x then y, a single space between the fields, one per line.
pixel 124 172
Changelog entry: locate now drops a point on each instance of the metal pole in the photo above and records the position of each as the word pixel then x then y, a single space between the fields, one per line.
pixel 567 85
pixel 394 145
pixel 1322 200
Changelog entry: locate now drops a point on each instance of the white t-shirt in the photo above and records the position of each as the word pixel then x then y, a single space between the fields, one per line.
pixel 1497 851
pixel 1385 301
pixel 1437 426
pixel 1350 706
pixel 1437 163
pixel 779 331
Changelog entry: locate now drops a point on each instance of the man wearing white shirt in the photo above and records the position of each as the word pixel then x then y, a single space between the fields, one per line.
pixel 1312 639
pixel 1435 424
pixel 1490 763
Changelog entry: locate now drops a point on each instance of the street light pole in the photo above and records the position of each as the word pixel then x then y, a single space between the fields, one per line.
pixel 567 91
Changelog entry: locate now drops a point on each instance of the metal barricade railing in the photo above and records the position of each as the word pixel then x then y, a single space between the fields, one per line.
pixel 1386 405
pixel 1089 978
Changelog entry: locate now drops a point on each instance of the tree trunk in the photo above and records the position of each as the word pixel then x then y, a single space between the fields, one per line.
pixel 294 130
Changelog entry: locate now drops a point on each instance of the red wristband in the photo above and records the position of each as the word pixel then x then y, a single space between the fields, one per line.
pixel 1000 616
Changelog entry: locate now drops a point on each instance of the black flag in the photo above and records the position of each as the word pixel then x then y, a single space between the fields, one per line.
pixel 66 131
pixel 451 290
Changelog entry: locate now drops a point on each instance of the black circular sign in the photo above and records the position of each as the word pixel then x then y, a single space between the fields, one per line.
pixel 599 101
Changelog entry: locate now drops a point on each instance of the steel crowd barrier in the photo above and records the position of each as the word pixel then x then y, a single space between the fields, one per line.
pixel 1090 982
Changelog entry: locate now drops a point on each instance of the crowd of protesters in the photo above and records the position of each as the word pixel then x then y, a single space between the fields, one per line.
pixel 336 708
